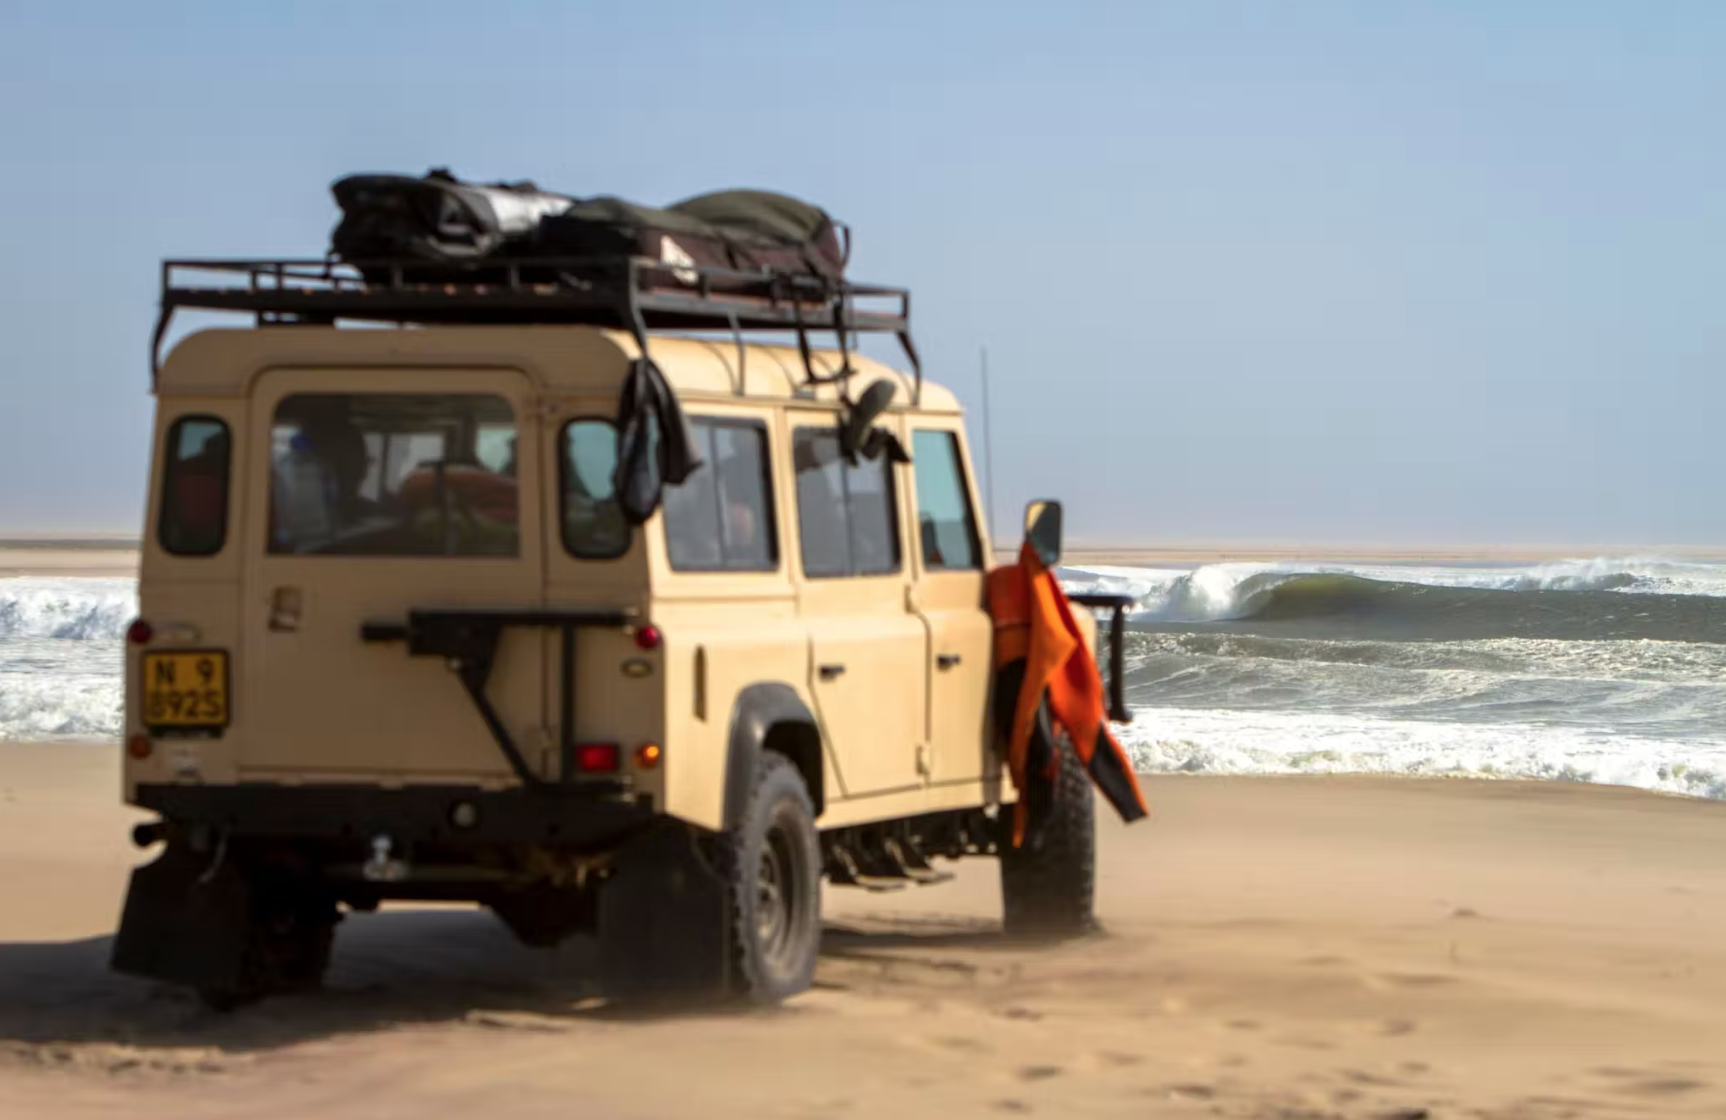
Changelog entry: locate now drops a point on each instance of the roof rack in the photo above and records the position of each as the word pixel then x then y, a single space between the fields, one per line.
pixel 637 294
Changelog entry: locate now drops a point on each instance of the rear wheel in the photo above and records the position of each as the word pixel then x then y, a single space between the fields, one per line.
pixel 1048 886
pixel 773 880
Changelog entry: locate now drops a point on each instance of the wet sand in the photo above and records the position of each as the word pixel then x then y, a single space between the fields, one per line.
pixel 1274 947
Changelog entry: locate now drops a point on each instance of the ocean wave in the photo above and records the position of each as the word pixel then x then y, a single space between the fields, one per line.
pixel 1165 740
pixel 53 689
pixel 80 609
pixel 1231 592
pixel 1670 690
pixel 1149 652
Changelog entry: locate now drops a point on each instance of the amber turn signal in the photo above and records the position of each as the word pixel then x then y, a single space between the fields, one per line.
pixel 647 756
pixel 139 747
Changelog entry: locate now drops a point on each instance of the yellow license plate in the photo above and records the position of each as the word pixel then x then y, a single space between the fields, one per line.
pixel 185 689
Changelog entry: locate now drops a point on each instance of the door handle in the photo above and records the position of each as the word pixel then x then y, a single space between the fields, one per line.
pixel 829 672
pixel 285 607
pixel 948 660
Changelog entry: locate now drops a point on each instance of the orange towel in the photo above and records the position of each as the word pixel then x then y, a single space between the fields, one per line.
pixel 1034 622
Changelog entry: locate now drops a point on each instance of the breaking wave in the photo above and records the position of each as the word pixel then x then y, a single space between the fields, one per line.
pixel 1581 599
pixel 80 609
pixel 60 656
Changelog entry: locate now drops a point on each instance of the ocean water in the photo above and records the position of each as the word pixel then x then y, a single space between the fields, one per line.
pixel 60 656
pixel 1609 670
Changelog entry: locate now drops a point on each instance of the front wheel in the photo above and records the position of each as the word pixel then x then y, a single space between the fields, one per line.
pixel 1048 886
pixel 773 874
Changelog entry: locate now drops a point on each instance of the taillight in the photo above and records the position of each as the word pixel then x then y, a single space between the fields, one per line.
pixel 596 758
pixel 140 632
pixel 648 637
pixel 647 756
pixel 139 747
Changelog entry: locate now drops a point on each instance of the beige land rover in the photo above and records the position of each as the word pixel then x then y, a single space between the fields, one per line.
pixel 569 599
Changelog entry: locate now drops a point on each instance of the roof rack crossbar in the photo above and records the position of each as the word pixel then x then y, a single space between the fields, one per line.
pixel 637 294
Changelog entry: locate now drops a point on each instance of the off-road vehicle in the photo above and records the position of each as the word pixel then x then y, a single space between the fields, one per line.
pixel 571 598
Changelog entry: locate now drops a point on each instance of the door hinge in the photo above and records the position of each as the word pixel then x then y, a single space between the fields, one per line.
pixel 923 769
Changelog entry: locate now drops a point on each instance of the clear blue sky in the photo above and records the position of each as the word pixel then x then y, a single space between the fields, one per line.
pixel 1321 270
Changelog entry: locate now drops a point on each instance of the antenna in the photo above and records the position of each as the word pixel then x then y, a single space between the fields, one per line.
pixel 988 451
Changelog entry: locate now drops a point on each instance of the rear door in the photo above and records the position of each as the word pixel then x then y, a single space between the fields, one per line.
pixel 371 493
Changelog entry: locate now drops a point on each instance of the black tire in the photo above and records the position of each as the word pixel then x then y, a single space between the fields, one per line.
pixel 772 866
pixel 1048 886
pixel 287 949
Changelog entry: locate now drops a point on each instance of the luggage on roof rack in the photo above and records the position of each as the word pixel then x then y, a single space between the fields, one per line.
pixel 448 225
pixel 438 250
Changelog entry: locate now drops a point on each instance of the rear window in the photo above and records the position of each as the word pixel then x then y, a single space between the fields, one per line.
pixel 394 474
pixel 194 509
pixel 721 518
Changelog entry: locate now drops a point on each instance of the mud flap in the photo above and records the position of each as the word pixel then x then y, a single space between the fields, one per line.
pixel 664 929
pixel 178 929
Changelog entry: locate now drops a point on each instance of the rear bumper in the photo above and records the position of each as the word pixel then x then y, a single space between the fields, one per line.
pixel 543 815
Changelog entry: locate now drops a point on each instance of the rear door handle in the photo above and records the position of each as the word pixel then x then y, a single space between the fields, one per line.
pixel 829 672
pixel 948 660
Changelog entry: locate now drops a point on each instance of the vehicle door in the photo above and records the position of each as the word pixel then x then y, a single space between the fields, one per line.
pixel 950 597
pixel 371 493
pixel 868 649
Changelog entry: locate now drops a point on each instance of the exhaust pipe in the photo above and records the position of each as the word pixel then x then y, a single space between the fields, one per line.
pixel 143 835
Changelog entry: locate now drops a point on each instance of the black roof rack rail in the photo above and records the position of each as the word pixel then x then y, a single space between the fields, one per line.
pixel 636 294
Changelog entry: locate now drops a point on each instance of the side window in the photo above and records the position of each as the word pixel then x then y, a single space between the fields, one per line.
pixel 194 508
pixel 593 524
pixel 721 518
pixel 846 514
pixel 945 520
pixel 393 474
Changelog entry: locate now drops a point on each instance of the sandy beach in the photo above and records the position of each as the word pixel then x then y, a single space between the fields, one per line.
pixel 53 558
pixel 1274 947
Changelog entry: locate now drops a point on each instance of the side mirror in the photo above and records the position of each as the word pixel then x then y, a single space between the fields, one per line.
pixel 1043 530
pixel 854 432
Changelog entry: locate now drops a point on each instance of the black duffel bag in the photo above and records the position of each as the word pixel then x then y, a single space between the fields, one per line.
pixel 436 219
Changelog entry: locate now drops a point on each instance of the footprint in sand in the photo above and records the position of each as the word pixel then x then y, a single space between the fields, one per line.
pixel 960 1043
pixel 1039 1073
pixel 1646 1086
pixel 1417 979
pixel 1362 1077
pixel 1306 1043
